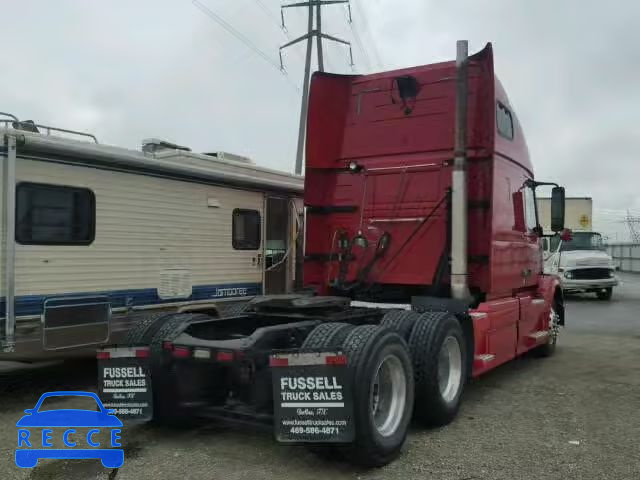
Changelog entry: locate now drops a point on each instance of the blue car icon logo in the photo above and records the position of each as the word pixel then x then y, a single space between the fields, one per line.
pixel 37 429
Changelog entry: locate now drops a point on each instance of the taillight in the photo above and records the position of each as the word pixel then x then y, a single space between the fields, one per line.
pixel 167 346
pixel 181 352
pixel 101 355
pixel 278 362
pixel 336 360
pixel 142 353
pixel 223 356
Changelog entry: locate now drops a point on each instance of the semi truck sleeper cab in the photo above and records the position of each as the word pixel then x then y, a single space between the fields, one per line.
pixel 422 269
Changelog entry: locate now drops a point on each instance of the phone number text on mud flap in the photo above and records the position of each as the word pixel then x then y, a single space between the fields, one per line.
pixel 315 430
pixel 128 411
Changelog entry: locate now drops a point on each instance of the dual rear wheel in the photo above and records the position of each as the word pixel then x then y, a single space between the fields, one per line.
pixel 411 365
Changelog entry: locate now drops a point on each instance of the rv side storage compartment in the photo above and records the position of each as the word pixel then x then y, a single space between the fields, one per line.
pixel 75 322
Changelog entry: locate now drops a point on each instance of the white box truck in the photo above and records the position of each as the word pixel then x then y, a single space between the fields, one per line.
pixel 582 262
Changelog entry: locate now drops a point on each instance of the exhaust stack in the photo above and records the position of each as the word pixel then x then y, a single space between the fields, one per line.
pixel 459 208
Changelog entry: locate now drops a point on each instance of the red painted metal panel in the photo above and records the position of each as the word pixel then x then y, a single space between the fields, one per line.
pixel 403 149
pixel 533 312
pixel 497 333
pixel 516 259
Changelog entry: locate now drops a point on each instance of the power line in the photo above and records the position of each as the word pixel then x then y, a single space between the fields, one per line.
pixel 239 36
pixel 269 13
pixel 358 40
pixel 230 29
pixel 366 29
pixel 279 23
pixel 328 56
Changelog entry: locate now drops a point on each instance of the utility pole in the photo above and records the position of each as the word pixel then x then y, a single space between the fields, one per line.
pixel 319 35
pixel 633 223
pixel 319 38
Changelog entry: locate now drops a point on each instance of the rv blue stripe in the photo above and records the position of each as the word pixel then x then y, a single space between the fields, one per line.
pixel 34 304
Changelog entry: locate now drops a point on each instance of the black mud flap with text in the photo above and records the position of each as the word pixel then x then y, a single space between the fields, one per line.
pixel 124 382
pixel 312 396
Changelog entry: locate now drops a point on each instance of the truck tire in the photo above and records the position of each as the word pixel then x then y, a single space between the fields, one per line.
pixel 401 321
pixel 166 396
pixel 383 392
pixel 327 335
pixel 605 294
pixel 145 328
pixel 330 335
pixel 438 350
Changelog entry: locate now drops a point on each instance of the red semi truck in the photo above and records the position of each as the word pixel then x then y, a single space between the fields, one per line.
pixel 422 269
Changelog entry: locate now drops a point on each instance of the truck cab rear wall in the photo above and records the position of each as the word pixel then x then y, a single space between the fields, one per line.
pixel 390 158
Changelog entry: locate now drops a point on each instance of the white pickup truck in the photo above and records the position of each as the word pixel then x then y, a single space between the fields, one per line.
pixel 581 263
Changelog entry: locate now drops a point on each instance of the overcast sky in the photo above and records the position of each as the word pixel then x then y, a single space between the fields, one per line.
pixel 127 70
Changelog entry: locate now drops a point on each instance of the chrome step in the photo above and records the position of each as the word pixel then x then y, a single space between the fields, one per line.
pixel 485 358
pixel 539 334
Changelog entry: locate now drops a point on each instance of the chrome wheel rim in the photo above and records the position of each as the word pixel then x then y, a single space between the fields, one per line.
pixel 554 326
pixel 450 369
pixel 388 395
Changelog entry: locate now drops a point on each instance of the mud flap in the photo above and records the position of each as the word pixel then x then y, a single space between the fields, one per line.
pixel 312 398
pixel 124 382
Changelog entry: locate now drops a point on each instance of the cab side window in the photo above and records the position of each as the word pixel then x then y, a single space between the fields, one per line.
pixel 504 121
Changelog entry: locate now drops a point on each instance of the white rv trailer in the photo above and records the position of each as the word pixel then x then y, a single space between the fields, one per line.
pixel 92 235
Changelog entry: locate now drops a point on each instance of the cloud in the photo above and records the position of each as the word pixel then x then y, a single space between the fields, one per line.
pixel 131 70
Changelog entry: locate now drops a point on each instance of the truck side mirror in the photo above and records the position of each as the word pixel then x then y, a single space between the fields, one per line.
pixel 557 209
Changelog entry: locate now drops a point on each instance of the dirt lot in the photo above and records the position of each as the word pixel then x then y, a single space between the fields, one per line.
pixel 573 416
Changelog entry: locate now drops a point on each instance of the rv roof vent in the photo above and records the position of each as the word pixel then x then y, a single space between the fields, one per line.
pixel 229 156
pixel 154 145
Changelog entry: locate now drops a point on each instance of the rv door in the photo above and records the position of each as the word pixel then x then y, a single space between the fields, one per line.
pixel 276 245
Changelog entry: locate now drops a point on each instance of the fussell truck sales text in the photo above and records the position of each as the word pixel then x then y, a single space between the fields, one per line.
pixel 293 388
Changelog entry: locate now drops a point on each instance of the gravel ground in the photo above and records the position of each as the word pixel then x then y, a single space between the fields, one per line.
pixel 572 416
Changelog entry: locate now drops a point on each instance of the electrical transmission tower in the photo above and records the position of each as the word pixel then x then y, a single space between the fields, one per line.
pixel 634 227
pixel 319 35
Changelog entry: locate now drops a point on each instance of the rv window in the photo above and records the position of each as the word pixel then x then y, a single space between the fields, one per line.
pixel 54 215
pixel 504 120
pixel 246 229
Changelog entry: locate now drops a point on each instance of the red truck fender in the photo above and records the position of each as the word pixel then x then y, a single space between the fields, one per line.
pixel 549 288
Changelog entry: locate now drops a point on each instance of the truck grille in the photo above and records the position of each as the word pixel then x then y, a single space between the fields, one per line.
pixel 590 273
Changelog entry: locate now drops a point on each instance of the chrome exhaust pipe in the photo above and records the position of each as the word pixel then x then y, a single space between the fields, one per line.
pixel 459 208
